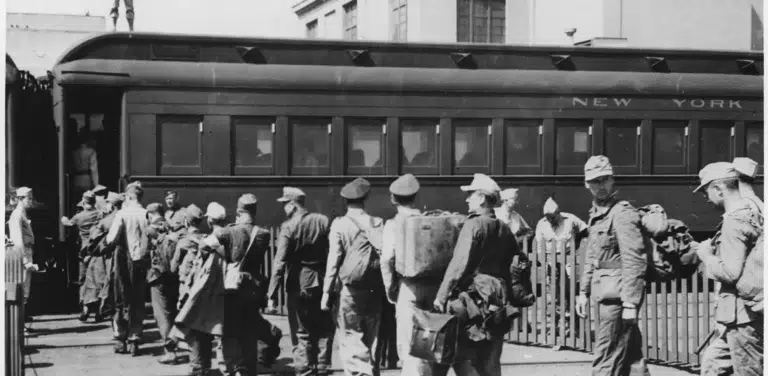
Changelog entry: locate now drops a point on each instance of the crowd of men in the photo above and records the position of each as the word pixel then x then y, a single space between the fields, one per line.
pixel 207 284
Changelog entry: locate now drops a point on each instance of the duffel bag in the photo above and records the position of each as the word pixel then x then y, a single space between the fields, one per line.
pixel 434 337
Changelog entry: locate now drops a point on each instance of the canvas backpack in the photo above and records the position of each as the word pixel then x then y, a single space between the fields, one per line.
pixel 750 284
pixel 361 267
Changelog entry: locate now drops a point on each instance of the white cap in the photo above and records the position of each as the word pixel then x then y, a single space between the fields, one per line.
pixel 745 166
pixel 716 171
pixel 597 166
pixel 211 241
pixel 23 192
pixel 550 207
pixel 481 182
pixel 508 193
pixel 215 211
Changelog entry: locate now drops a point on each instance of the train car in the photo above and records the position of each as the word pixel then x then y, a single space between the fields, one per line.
pixel 216 117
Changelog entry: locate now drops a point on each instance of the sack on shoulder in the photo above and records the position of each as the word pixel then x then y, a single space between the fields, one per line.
pixel 361 266
pixel 521 290
pixel 434 337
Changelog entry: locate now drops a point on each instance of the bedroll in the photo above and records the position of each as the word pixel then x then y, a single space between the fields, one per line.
pixel 427 243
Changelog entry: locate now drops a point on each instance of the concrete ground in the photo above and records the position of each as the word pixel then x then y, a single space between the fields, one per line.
pixel 63 346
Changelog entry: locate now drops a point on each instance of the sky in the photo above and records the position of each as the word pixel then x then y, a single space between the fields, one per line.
pixel 267 18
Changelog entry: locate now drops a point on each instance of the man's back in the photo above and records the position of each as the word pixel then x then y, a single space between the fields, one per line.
pixel 131 221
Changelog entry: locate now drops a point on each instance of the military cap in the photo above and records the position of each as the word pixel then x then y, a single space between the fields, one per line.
pixel 89 198
pixel 745 166
pixel 154 208
pixel 508 193
pixel 716 171
pixel 134 187
pixel 114 197
pixel 247 202
pixel 551 207
pixel 597 166
pixel 193 212
pixel 356 189
pixel 99 189
pixel 24 192
pixel 482 182
pixel 406 185
pixel 215 211
pixel 171 192
pixel 291 194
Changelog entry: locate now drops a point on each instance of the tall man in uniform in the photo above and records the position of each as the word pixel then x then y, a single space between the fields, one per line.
pixel 616 262
pixel 129 233
pixel 302 251
pixel 738 347
pixel 85 165
pixel 359 307
pixel 174 212
pixel 20 232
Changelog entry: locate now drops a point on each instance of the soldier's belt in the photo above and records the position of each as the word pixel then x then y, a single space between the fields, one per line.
pixel 607 264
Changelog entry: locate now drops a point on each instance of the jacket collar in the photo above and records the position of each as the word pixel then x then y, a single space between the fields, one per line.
pixel 404 210
pixel 487 212
pixel 600 209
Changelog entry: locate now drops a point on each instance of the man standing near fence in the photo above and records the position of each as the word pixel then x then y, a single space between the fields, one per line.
pixel 302 250
pixel 738 345
pixel 616 263
pixel 20 231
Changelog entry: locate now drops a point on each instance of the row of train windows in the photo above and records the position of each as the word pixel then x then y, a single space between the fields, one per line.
pixel 253 144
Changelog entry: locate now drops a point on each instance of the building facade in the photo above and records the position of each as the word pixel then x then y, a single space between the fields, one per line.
pixel 696 24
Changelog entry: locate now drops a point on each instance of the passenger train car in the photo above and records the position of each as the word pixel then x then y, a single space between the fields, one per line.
pixel 216 117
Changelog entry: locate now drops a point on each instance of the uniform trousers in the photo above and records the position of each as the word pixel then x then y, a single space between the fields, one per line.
pixel 618 345
pixel 164 293
pixel 200 349
pixel 412 295
pixel 127 322
pixel 312 331
pixel 737 350
pixel 358 316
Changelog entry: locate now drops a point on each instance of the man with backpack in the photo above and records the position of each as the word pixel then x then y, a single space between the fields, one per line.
pixel 738 345
pixel 302 250
pixel 614 273
pixel 353 263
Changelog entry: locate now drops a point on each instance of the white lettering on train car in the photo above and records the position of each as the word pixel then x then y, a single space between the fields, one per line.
pixel 622 101
pixel 701 103
pixel 601 102
pixel 697 103
pixel 584 102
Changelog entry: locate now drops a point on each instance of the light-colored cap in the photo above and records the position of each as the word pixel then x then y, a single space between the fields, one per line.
pixel 114 197
pixel 597 166
pixel 99 188
pixel 215 211
pixel 716 171
pixel 406 185
pixel 193 212
pixel 154 208
pixel 551 207
pixel 508 193
pixel 745 166
pixel 291 194
pixel 23 192
pixel 247 202
pixel 482 182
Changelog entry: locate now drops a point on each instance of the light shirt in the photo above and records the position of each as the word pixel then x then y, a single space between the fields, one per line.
pixel 132 221
pixel 557 239
pixel 20 231
pixel 513 219
pixel 342 233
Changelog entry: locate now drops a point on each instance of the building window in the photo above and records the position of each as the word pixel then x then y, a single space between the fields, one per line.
pixel 573 145
pixel 470 146
pixel 755 143
pixel 481 21
pixel 622 145
pixel 715 141
pixel 419 148
pixel 398 20
pixel 669 146
pixel 252 139
pixel 523 146
pixel 311 146
pixel 180 145
pixel 312 30
pixel 365 148
pixel 350 20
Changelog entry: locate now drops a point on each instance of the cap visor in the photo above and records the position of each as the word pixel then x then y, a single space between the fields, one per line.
pixel 283 199
pixel 700 187
pixel 468 188
pixel 597 175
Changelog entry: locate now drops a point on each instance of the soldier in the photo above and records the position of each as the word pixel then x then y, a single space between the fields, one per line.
pixel 174 212
pixel 747 169
pixel 241 245
pixel 101 193
pixel 23 239
pixel 738 345
pixel 485 248
pixel 359 303
pixel 84 221
pixel 406 294
pixel 97 280
pixel 302 251
pixel 129 232
pixel 616 263
pixel 85 164
pixel 507 214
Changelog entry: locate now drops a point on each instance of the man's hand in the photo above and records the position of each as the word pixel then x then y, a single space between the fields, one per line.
pixel 629 315
pixel 325 302
pixel 581 305
pixel 65 221
pixel 705 249
pixel 272 308
pixel 438 307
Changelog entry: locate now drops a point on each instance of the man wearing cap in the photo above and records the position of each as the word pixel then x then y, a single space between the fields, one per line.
pixel 359 306
pixel 747 169
pixel 405 293
pixel 559 233
pixel 242 244
pixel 507 214
pixel 22 237
pixel 101 193
pixel 129 232
pixel 483 255
pixel 738 345
pixel 85 163
pixel 614 273
pixel 174 212
pixel 98 282
pixel 84 221
pixel 302 250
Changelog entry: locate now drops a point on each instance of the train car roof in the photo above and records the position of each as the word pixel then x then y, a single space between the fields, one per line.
pixel 220 76
pixel 11 71
pixel 263 51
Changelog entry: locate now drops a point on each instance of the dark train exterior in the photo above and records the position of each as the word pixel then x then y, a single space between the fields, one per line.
pixel 216 117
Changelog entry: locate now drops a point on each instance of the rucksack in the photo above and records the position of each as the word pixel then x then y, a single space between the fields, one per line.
pixel 521 288
pixel 750 284
pixel 361 267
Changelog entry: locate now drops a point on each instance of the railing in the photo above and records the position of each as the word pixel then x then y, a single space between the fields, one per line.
pixel 675 318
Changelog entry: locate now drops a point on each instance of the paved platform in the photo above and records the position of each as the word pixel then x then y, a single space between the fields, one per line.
pixel 63 346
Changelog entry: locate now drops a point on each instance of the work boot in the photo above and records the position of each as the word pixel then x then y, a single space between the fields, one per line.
pixel 133 348
pixel 120 347
pixel 84 315
pixel 168 358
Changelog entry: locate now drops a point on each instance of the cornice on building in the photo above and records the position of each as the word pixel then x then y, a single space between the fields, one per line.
pixel 301 7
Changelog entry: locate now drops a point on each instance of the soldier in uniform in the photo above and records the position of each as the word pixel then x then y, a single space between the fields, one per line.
pixel 174 212
pixel 97 281
pixel 507 214
pixel 359 308
pixel 302 251
pixel 22 237
pixel 738 345
pixel 614 273
pixel 85 164
pixel 101 192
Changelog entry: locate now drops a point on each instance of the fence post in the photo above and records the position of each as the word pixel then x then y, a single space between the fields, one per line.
pixel 14 311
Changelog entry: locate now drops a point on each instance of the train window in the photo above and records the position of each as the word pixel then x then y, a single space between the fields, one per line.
pixel 715 141
pixel 621 145
pixel 573 145
pixel 669 146
pixel 365 148
pixel 755 143
pixel 253 140
pixel 470 146
pixel 311 146
pixel 419 147
pixel 180 145
pixel 523 146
